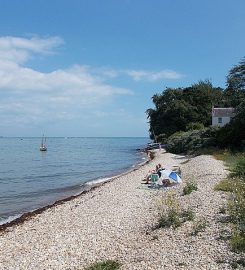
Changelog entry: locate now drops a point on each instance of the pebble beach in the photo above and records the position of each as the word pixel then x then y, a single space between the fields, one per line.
pixel 117 221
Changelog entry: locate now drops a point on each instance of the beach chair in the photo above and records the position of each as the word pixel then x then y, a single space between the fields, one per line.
pixel 154 179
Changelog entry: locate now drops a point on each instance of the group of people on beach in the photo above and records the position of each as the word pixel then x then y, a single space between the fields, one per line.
pixel 147 178
pixel 162 181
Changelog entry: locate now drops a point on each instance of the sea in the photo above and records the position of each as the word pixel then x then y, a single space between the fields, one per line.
pixel 31 179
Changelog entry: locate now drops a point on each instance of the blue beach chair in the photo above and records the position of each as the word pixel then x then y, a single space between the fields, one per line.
pixel 154 179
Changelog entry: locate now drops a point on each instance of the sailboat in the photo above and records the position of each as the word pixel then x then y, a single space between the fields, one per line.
pixel 43 146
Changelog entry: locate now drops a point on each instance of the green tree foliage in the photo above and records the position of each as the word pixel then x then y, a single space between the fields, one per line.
pixel 202 96
pixel 192 141
pixel 189 109
pixel 194 125
pixel 235 92
pixel 176 108
pixel 233 134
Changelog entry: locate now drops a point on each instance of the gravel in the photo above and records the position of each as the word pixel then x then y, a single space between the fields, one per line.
pixel 116 221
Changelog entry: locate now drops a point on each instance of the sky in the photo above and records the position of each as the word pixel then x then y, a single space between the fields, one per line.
pixel 90 67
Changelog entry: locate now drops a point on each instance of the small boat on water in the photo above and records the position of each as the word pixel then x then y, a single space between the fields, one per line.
pixel 43 147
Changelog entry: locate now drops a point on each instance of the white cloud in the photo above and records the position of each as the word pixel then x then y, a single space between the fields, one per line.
pixel 18 50
pixel 29 96
pixel 59 86
pixel 138 75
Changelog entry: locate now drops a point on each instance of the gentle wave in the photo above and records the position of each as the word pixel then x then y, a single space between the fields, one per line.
pixel 9 219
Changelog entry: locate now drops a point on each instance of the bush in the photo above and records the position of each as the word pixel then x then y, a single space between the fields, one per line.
pixel 189 187
pixel 194 126
pixel 191 141
pixel 172 218
pixel 175 218
pixel 105 265
pixel 161 138
pixel 173 215
pixel 232 135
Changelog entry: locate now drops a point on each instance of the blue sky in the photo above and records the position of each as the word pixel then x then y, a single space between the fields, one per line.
pixel 90 68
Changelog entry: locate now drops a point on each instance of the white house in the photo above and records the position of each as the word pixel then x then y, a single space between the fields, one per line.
pixel 222 116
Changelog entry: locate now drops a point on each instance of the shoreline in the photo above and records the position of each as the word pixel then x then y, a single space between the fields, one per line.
pixel 87 187
pixel 116 221
pixel 32 179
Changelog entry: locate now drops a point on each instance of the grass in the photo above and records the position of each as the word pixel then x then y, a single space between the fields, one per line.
pixel 189 187
pixel 238 241
pixel 175 218
pixel 171 219
pixel 235 184
pixel 199 226
pixel 225 185
pixel 238 170
pixel 104 265
pixel 237 263
pixel 207 151
pixel 228 157
pixel 170 213
pixel 187 215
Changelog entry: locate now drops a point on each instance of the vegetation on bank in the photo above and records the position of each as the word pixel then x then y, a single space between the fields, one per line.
pixel 181 120
pixel 182 117
pixel 190 186
pixel 192 142
pixel 171 214
pixel 199 225
pixel 235 184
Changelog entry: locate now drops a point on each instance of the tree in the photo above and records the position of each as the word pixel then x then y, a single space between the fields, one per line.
pixel 235 92
pixel 200 97
pixel 176 108
pixel 233 134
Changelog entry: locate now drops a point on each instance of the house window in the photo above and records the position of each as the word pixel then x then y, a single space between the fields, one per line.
pixel 220 120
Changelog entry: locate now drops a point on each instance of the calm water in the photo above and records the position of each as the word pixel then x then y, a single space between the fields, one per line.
pixel 30 179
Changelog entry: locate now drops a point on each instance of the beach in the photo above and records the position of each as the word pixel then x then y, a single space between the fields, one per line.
pixel 117 221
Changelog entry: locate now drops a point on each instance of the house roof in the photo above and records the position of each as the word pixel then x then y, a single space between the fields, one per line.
pixel 223 112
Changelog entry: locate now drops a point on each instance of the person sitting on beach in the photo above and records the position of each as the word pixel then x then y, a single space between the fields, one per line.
pixel 147 178
pixel 159 169
pixel 167 182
